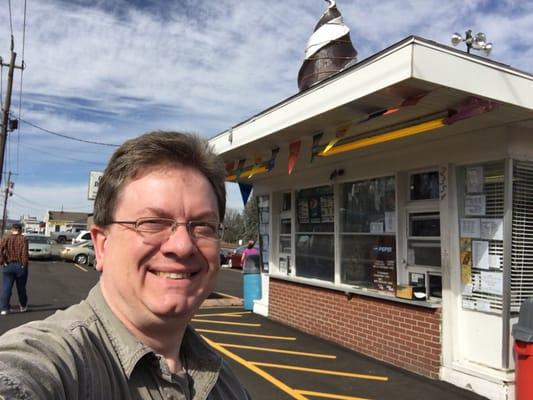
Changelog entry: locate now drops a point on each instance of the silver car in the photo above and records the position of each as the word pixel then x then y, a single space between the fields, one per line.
pixel 39 246
pixel 80 253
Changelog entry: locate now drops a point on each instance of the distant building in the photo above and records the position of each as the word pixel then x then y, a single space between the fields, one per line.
pixel 31 224
pixel 59 221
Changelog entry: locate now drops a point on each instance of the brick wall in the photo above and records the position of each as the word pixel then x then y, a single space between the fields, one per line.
pixel 400 334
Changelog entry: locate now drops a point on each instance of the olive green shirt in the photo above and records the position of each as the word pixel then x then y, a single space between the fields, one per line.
pixel 85 352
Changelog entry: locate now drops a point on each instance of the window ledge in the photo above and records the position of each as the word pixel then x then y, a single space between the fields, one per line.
pixel 359 291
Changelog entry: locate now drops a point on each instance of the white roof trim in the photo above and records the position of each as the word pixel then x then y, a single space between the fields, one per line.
pixel 412 58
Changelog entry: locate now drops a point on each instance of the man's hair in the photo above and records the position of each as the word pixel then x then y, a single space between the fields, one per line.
pixel 154 150
pixel 17 227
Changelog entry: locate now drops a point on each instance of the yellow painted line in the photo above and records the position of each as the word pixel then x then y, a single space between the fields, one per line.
pixel 246 334
pixel 329 395
pixel 297 353
pixel 224 322
pixel 238 314
pixel 322 371
pixel 228 296
pixel 80 267
pixel 276 382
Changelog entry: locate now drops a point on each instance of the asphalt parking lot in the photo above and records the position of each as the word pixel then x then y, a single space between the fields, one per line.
pixel 277 362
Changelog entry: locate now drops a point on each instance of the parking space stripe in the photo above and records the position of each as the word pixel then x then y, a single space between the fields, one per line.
pixel 246 334
pixel 329 395
pixel 322 371
pixel 230 314
pixel 297 353
pixel 80 267
pixel 224 322
pixel 280 385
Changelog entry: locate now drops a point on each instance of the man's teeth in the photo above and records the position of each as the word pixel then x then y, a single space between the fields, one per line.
pixel 173 275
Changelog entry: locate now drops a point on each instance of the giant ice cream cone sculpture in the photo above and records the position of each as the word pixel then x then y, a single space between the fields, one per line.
pixel 328 50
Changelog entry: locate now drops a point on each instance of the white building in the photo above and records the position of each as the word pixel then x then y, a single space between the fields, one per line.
pixel 433 195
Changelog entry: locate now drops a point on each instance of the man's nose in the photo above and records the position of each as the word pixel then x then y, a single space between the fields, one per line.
pixel 180 241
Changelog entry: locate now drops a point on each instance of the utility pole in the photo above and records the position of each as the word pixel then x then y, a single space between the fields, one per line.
pixel 8 193
pixel 7 105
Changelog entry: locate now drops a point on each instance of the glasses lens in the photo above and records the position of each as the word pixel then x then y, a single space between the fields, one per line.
pixel 204 230
pixel 153 225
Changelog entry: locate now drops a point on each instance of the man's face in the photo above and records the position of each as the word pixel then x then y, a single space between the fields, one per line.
pixel 144 282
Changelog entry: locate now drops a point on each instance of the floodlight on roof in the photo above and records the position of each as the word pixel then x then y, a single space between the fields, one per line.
pixel 477 42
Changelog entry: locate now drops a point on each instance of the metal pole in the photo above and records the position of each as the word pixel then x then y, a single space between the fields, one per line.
pixel 4 217
pixel 7 105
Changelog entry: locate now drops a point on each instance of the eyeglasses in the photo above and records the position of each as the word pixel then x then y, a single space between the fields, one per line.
pixel 158 230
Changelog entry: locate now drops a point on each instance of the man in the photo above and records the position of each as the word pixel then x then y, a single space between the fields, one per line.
pixel 14 259
pixel 157 218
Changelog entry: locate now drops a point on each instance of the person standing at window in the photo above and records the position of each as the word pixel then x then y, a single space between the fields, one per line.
pixel 14 258
pixel 248 251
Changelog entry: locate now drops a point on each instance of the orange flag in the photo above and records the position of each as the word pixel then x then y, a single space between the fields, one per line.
pixel 294 152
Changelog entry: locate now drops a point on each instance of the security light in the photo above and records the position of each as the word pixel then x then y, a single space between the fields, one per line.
pixel 477 42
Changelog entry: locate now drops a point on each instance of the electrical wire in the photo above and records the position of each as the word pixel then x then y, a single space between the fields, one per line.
pixel 68 137
pixel 41 151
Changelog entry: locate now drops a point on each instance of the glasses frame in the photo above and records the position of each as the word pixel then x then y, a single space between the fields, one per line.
pixel 188 224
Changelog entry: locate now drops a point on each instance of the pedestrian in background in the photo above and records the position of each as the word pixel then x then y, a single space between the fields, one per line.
pixel 248 251
pixel 14 259
pixel 157 226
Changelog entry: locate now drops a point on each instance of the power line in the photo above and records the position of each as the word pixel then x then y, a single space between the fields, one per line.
pixel 40 150
pixel 68 137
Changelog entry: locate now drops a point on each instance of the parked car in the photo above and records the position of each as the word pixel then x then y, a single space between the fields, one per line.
pixel 39 246
pixel 234 259
pixel 63 236
pixel 83 236
pixel 224 255
pixel 79 253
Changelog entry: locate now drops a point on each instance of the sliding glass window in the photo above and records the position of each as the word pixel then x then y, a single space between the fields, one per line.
pixel 315 256
pixel 368 233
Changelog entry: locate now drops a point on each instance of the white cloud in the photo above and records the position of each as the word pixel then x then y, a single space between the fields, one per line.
pixel 106 71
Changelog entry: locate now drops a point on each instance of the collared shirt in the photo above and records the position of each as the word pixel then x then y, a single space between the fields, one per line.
pixel 14 248
pixel 86 353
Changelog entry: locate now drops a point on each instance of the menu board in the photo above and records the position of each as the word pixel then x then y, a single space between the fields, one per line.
pixel 315 206
pixel 384 268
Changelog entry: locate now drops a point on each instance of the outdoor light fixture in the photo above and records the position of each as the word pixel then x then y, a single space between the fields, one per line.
pixel 478 42
pixel 386 137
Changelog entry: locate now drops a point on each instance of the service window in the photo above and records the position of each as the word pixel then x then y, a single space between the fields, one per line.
pixel 368 233
pixel 423 243
pixel 314 252
pixel 422 237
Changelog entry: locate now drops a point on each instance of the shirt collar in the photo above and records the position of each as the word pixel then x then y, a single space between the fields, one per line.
pixel 201 360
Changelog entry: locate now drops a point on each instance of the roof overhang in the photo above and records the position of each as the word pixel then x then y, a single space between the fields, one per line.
pixel 410 67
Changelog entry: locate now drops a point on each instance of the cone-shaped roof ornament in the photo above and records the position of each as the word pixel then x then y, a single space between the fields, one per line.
pixel 328 50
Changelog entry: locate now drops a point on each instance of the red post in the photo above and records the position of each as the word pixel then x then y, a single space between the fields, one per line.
pixel 523 370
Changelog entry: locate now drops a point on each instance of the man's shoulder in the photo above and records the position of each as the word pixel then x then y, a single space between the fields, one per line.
pixel 69 325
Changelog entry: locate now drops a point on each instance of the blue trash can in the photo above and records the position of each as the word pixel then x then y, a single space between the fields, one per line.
pixel 251 281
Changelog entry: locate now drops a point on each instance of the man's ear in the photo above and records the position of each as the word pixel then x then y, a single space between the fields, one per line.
pixel 99 236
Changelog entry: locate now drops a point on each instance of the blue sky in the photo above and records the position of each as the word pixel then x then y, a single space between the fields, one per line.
pixel 109 70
